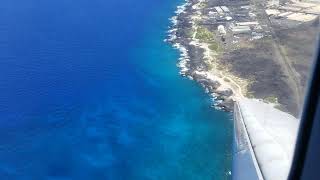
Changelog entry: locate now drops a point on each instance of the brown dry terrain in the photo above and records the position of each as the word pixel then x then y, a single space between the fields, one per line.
pixel 266 49
pixel 299 44
pixel 277 66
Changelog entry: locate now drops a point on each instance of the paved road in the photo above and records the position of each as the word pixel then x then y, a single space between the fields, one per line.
pixel 281 55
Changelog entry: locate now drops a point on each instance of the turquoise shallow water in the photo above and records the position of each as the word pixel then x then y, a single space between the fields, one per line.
pixel 92 92
pixel 195 139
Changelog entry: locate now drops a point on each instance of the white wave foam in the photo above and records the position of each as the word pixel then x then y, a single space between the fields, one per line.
pixel 183 59
pixel 172 36
pixel 182 8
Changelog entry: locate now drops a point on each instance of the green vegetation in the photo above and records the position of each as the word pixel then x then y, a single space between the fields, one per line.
pixel 250 95
pixel 220 68
pixel 280 107
pixel 203 5
pixel 226 80
pixel 271 99
pixel 203 34
pixel 214 46
pixel 190 33
pixel 209 66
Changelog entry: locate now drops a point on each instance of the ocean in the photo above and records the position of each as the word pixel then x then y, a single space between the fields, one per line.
pixel 89 90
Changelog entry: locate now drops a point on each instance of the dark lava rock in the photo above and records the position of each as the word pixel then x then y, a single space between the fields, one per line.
pixel 227 92
pixel 227 104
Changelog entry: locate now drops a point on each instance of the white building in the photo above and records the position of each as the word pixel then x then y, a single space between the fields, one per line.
pixel 225 9
pixel 241 29
pixel 221 30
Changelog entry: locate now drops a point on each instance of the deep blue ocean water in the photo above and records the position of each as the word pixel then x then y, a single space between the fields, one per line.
pixel 89 90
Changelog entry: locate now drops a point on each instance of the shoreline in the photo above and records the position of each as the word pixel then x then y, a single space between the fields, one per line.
pixel 242 59
pixel 237 50
pixel 193 54
pixel 267 111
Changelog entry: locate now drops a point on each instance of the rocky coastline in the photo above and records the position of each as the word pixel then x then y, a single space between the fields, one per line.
pixel 192 56
pixel 238 50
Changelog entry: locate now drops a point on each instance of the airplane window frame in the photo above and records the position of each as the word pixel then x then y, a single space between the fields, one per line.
pixel 306 157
